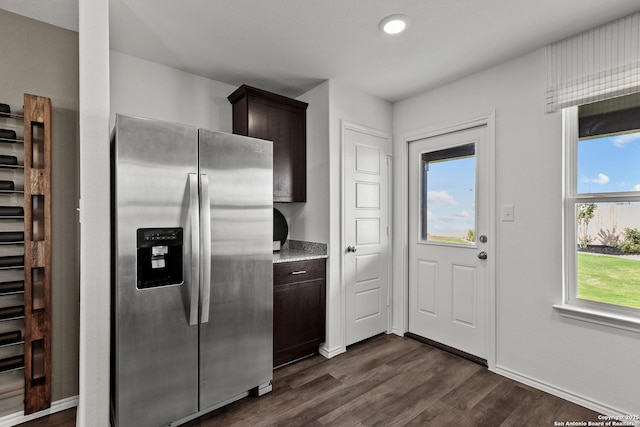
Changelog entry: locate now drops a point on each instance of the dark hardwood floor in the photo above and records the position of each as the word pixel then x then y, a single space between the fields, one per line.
pixel 387 381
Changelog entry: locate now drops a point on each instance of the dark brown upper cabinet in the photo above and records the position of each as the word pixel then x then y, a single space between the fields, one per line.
pixel 266 115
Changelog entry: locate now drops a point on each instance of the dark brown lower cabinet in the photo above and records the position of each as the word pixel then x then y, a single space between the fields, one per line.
pixel 299 289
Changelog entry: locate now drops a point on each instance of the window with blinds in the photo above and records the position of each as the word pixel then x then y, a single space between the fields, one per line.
pixel 594 78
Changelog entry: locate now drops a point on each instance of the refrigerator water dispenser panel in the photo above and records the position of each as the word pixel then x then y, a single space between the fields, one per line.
pixel 159 257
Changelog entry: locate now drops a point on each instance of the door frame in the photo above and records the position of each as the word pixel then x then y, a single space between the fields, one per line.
pixel 345 125
pixel 401 243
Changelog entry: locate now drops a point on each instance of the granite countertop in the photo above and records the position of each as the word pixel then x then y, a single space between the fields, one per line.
pixel 298 250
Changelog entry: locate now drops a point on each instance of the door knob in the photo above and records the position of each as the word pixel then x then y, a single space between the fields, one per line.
pixel 351 248
pixel 482 255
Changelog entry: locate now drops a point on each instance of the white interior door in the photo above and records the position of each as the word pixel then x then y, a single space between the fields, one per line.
pixel 448 225
pixel 366 232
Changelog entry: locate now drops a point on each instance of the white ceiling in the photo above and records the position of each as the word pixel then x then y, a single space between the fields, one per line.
pixel 289 46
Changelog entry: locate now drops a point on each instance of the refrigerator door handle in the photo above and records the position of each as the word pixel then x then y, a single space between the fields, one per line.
pixel 205 217
pixel 194 273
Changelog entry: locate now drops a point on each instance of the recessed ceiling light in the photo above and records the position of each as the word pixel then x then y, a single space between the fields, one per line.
pixel 394 24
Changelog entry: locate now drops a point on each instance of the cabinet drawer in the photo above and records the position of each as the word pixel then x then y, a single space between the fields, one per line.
pixel 298 271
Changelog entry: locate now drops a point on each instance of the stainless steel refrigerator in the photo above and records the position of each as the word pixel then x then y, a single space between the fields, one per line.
pixel 191 271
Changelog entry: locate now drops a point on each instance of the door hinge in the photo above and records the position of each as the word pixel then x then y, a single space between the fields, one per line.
pixel 388 300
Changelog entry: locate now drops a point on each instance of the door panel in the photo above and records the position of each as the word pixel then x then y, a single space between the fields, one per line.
pixel 428 289
pixel 367 231
pixel 367 267
pixel 151 332
pixel 367 195
pixel 368 303
pixel 464 295
pixel 366 221
pixel 236 352
pixel 448 283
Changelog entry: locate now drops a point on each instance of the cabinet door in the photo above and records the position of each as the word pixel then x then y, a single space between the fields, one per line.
pixel 283 120
pixel 298 310
pixel 289 178
pixel 287 129
pixel 298 320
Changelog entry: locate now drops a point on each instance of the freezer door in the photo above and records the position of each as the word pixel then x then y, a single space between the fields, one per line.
pixel 236 350
pixel 154 349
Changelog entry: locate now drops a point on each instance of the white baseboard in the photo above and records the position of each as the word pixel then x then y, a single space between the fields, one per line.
pixel 329 353
pixel 564 394
pixel 397 331
pixel 57 406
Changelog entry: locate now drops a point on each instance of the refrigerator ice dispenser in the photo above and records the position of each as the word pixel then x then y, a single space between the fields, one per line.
pixel 159 260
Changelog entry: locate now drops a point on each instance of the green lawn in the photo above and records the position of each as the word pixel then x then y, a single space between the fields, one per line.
pixel 609 279
pixel 448 239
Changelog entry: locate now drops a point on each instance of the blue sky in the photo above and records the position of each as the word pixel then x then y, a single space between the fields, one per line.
pixel 609 164
pixel 451 197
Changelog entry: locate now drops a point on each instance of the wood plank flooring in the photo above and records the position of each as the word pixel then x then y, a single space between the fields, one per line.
pixel 387 381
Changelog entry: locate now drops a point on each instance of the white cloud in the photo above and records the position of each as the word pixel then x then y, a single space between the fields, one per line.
pixel 636 187
pixel 441 197
pixel 601 179
pixel 622 140
pixel 461 217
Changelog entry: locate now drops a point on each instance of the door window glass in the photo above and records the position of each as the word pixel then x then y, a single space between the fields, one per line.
pixel 448 192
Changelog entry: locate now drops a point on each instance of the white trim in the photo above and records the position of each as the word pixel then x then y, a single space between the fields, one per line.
pixel 403 206
pixel 329 353
pixel 343 290
pixel 57 406
pixel 346 125
pixel 432 131
pixel 491 135
pixel 389 157
pixel 397 331
pixel 560 392
pixel 600 317
pixel 573 307
pixel 487 120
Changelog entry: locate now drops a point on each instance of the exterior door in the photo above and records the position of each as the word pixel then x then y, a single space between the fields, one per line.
pixel 366 233
pixel 448 226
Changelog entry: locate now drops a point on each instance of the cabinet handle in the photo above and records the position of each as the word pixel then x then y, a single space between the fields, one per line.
pixel 299 272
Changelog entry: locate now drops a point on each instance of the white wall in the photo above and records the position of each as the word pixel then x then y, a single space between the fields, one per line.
pixel 345 104
pixel 143 88
pixel 310 221
pixel 93 408
pixel 587 363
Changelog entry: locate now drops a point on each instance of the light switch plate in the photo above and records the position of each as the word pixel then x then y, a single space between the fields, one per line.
pixel 507 213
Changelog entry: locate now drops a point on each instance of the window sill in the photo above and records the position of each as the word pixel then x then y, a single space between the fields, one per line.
pixel 600 317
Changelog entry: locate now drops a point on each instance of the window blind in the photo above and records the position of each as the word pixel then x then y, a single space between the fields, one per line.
pixel 598 64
